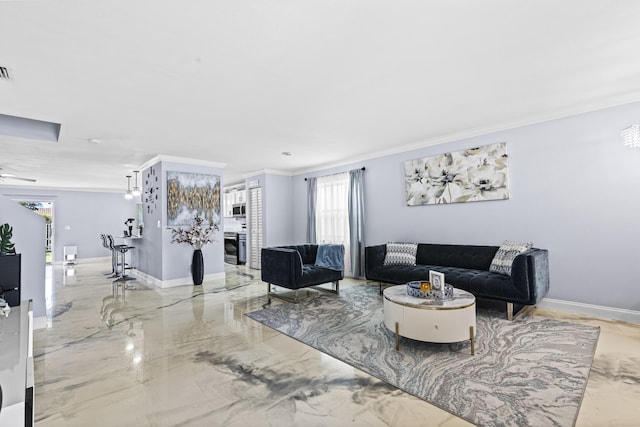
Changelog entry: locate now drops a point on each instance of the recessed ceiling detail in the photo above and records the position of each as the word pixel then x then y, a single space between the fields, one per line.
pixel 29 128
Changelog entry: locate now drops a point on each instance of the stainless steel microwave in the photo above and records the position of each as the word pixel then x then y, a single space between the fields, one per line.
pixel 239 210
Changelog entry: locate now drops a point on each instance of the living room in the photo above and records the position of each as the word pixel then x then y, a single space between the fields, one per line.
pixel 556 209
pixel 572 184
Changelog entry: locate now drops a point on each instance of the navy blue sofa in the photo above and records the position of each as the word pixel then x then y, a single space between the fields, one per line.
pixel 293 267
pixel 467 267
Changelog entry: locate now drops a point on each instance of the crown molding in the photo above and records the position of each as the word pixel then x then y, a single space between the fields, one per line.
pixel 268 172
pixel 184 160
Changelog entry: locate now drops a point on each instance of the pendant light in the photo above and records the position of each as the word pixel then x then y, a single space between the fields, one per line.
pixel 136 190
pixel 128 195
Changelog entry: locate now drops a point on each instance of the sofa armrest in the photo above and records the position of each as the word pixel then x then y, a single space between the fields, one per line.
pixel 373 257
pixel 530 274
pixel 281 266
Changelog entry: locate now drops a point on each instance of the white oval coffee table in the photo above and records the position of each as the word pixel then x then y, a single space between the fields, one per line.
pixel 440 321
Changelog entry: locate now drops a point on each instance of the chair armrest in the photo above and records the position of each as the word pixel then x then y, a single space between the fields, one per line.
pixel 373 257
pixel 530 274
pixel 281 266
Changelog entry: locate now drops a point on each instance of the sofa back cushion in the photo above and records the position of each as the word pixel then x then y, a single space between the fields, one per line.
pixel 307 252
pixel 463 256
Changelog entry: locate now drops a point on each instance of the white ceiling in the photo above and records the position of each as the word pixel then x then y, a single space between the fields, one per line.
pixel 331 81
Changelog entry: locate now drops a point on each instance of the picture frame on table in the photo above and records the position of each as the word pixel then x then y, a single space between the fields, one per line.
pixel 437 282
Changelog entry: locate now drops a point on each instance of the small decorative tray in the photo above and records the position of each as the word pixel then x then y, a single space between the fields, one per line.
pixel 422 289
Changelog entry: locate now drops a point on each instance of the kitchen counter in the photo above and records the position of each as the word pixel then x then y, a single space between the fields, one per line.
pixel 16 366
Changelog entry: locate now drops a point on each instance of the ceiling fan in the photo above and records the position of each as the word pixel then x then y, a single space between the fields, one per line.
pixel 4 176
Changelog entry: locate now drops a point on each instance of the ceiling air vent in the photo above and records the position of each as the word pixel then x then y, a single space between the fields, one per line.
pixel 4 73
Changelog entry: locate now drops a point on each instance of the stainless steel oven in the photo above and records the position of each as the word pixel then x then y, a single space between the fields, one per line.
pixel 235 247
pixel 231 247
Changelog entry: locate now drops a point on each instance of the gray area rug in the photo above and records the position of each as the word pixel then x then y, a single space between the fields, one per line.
pixel 528 372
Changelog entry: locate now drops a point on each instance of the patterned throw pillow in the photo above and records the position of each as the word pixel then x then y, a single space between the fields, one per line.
pixel 401 254
pixel 508 251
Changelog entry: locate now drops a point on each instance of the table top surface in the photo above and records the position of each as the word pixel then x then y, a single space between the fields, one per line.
pixel 398 295
pixel 14 336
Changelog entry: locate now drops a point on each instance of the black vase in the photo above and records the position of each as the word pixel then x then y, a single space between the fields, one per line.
pixel 197 267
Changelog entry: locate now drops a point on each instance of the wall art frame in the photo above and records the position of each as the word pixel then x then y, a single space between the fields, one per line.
pixel 189 194
pixel 471 175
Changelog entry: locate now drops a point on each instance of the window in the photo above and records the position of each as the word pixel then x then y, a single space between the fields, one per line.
pixel 332 213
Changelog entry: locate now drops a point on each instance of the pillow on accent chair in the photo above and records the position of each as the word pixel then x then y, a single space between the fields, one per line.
pixel 401 254
pixel 508 251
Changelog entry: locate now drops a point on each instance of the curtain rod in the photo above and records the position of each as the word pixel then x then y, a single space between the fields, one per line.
pixel 362 169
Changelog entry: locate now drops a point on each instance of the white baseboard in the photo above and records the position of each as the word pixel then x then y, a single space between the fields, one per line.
pixel 83 261
pixel 600 311
pixel 183 281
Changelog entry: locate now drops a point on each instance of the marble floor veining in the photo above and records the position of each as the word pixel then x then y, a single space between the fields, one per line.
pixel 188 356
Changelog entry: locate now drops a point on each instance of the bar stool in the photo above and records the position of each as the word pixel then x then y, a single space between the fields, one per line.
pixel 105 243
pixel 114 255
pixel 122 273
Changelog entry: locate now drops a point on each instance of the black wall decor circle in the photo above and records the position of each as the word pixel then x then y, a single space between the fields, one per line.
pixel 152 190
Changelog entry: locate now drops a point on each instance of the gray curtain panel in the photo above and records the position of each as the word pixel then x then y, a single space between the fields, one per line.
pixel 356 221
pixel 311 210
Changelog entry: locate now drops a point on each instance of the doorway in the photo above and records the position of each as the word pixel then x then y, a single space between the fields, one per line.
pixel 44 209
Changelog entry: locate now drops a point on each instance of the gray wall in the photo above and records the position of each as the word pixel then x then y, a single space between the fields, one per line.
pixel 86 214
pixel 277 210
pixel 149 248
pixel 30 240
pixel 574 191
pixel 157 256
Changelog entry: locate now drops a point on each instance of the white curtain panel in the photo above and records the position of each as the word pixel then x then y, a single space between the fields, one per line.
pixel 332 213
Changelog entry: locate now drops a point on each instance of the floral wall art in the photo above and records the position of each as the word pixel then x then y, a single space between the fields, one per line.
pixel 189 194
pixel 471 175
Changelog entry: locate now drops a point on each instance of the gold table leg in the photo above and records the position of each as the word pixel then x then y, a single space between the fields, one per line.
pixel 397 337
pixel 473 340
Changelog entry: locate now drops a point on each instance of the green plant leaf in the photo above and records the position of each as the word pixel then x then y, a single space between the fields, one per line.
pixel 6 233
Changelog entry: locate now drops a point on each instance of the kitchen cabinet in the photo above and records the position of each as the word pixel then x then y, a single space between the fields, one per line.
pixel 228 204
pixel 233 197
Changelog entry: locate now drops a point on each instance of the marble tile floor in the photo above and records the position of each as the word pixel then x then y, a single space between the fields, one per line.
pixel 188 356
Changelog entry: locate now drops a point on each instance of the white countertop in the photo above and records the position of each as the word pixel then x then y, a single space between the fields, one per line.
pixel 14 338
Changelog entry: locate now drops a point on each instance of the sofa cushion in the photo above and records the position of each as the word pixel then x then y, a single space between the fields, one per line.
pixel 307 252
pixel 401 254
pixel 312 275
pixel 481 283
pixel 508 251
pixel 464 256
